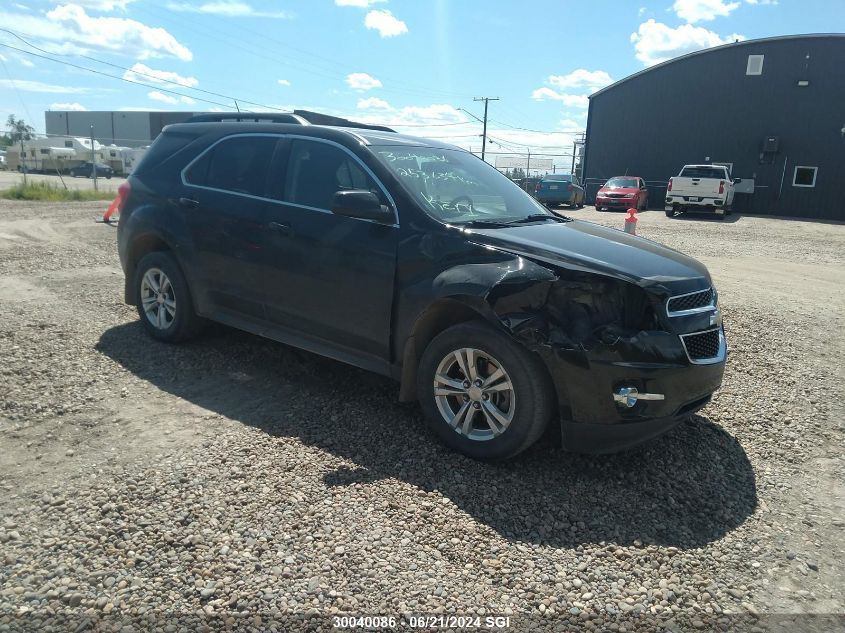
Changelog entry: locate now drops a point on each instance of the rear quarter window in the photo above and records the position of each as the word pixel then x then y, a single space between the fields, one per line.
pixel 167 145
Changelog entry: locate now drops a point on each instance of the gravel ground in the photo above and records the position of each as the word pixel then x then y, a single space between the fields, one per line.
pixel 237 483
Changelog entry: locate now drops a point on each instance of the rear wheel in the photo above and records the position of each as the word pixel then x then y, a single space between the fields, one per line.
pixel 482 393
pixel 163 299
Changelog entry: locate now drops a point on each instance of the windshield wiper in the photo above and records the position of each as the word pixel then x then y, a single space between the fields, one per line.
pixel 534 217
pixel 486 224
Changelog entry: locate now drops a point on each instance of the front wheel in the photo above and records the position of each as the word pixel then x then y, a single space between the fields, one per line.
pixel 163 299
pixel 484 394
pixel 670 213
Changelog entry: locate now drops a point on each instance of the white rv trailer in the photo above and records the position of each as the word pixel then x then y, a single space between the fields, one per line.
pixel 58 153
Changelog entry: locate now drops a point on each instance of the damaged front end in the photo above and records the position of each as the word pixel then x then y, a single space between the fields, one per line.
pixel 617 361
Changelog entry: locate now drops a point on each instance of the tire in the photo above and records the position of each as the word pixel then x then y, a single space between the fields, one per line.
pixel 527 406
pixel 598 209
pixel 670 213
pixel 177 324
pixel 108 177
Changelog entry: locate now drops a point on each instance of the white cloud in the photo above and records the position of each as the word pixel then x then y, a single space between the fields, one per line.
pixel 373 103
pixel 581 78
pixel 228 8
pixel 641 11
pixel 103 5
pixel 654 42
pixel 145 74
pixel 157 95
pixel 36 86
pixel 23 61
pixel 703 10
pixel 68 29
pixel 77 107
pixel 363 4
pixel 283 82
pixel 769 2
pixel 362 82
pixel 569 100
pixel 385 23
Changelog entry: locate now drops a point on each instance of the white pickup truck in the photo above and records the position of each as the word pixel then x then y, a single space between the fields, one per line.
pixel 701 188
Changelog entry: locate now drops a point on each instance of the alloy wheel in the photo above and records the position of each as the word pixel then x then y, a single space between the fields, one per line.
pixel 474 394
pixel 158 298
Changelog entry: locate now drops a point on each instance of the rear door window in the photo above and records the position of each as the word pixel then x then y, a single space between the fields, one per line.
pixel 239 164
pixel 316 171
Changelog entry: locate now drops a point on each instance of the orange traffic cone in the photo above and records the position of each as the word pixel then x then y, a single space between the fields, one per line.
pixel 110 211
pixel 631 222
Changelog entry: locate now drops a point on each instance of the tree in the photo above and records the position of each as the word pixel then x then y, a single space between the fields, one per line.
pixel 18 130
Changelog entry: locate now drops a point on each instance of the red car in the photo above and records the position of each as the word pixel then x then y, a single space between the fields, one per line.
pixel 623 192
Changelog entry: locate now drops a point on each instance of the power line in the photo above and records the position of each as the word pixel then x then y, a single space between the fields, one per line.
pixel 306 58
pixel 97 72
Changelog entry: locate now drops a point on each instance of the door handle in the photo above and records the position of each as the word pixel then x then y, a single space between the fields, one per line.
pixel 188 203
pixel 279 228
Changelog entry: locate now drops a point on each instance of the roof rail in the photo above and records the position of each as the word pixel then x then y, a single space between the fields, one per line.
pixel 257 117
pixel 316 118
pixel 298 117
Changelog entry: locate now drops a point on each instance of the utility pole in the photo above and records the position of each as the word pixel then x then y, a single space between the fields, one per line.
pixel 93 160
pixel 486 100
pixel 528 168
pixel 23 162
pixel 574 150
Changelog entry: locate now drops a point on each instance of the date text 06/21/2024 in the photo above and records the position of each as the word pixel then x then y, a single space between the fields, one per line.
pixel 422 622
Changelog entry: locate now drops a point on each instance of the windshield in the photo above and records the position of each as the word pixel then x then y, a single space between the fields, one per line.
pixel 621 182
pixel 456 187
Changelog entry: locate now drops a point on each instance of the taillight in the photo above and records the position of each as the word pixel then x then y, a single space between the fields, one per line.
pixel 721 186
pixel 669 188
pixel 122 194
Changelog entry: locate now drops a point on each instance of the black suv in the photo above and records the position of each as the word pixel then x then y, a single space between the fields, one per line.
pixel 419 261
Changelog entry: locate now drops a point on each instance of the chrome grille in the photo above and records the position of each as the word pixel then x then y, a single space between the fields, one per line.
pixel 693 301
pixel 702 345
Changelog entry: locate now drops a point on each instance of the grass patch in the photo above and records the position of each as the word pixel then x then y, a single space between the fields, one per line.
pixel 49 192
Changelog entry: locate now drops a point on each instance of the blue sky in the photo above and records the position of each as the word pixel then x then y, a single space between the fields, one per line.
pixel 412 64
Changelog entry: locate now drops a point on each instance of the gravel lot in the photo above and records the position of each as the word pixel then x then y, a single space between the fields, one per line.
pixel 238 483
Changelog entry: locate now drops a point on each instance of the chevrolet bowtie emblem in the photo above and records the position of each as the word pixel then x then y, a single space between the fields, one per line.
pixel 716 318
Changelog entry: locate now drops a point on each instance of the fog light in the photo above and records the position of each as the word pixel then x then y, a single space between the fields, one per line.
pixel 628 396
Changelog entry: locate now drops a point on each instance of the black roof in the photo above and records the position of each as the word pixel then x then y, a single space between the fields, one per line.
pixel 261 123
pixel 705 51
pixel 297 117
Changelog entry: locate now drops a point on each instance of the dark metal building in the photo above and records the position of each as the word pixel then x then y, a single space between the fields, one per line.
pixel 773 109
pixel 129 129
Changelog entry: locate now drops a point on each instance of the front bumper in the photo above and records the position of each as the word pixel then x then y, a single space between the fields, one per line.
pixel 616 203
pixel 585 381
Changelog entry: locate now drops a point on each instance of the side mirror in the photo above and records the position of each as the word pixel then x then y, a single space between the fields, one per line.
pixel 737 180
pixel 362 204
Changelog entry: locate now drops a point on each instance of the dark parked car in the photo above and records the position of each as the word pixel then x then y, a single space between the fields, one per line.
pixel 623 192
pixel 419 261
pixel 555 189
pixel 85 170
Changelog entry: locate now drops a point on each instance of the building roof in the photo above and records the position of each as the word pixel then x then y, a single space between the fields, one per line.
pixel 717 48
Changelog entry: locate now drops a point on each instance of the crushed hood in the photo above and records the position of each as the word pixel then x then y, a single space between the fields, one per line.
pixel 593 248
